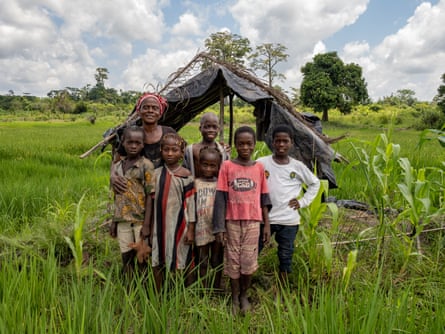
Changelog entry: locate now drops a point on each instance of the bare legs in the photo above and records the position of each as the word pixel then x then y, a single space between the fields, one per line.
pixel 240 298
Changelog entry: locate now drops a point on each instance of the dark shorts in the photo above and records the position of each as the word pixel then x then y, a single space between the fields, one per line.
pixel 285 238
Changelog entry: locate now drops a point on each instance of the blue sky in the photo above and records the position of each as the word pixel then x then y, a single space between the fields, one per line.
pixel 52 44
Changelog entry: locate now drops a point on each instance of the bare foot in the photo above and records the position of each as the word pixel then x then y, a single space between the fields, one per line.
pixel 235 306
pixel 245 304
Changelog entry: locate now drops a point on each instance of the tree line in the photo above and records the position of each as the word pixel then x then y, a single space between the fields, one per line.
pixel 327 81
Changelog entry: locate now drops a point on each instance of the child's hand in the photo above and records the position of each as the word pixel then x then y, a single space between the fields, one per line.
pixel 113 229
pixel 266 233
pixel 294 204
pixel 190 236
pixel 221 238
pixel 143 250
pixel 118 183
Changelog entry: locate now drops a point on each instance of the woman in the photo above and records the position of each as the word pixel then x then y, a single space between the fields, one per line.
pixel 150 108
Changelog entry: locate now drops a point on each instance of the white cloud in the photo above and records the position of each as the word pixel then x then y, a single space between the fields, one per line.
pixel 188 25
pixel 50 44
pixel 412 58
pixel 151 70
pixel 300 25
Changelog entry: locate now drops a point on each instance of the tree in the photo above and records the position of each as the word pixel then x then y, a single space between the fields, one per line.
pixel 295 96
pixel 406 96
pixel 227 47
pixel 329 83
pixel 266 57
pixel 100 76
pixel 440 97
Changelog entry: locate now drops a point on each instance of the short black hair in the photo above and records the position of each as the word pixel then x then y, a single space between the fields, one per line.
pixel 282 128
pixel 133 128
pixel 244 129
pixel 210 150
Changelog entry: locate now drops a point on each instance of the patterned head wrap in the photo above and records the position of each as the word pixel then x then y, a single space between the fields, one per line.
pixel 162 102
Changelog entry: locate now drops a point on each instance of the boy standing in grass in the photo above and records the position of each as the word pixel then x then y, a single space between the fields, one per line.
pixel 132 208
pixel 209 128
pixel 210 252
pixel 241 204
pixel 285 178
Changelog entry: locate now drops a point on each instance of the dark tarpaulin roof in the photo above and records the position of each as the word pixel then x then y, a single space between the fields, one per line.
pixel 204 89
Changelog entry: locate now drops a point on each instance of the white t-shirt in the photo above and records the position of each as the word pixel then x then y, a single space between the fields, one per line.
pixel 286 182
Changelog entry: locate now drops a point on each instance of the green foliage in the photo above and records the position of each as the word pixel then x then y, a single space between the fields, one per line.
pixel 440 97
pixel 80 108
pixel 227 47
pixel 351 263
pixel 266 57
pixel 311 217
pixel 431 119
pixel 329 83
pixel 43 181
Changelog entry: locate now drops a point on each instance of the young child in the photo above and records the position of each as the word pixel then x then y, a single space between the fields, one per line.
pixel 133 208
pixel 205 188
pixel 286 177
pixel 241 204
pixel 174 211
pixel 209 128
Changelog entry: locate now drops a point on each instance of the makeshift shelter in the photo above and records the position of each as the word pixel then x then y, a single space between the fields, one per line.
pixel 189 94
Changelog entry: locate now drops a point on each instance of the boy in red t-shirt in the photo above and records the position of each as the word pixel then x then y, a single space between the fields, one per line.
pixel 241 204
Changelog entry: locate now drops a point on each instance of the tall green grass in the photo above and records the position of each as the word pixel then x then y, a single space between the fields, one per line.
pixel 42 181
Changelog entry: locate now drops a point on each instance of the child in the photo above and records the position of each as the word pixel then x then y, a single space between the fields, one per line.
pixel 205 188
pixel 285 178
pixel 241 203
pixel 174 211
pixel 209 128
pixel 133 208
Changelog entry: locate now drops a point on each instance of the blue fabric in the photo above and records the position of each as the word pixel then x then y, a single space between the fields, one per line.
pixel 285 237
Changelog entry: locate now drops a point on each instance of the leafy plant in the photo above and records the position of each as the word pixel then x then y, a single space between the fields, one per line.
pixel 311 217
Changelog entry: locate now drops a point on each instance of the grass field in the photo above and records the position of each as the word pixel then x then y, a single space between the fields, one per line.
pixel 59 270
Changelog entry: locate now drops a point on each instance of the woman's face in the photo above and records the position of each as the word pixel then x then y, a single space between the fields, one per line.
pixel 150 112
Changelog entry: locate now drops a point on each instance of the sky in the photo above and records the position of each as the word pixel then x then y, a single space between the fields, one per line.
pixel 52 44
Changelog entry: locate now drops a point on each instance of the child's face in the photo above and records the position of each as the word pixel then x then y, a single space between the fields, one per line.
pixel 245 144
pixel 281 144
pixel 150 111
pixel 209 165
pixel 133 143
pixel 209 129
pixel 171 152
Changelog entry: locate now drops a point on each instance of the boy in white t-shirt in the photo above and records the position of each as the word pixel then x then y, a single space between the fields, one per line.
pixel 285 178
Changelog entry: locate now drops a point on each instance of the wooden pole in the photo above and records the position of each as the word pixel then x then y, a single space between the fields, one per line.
pixel 221 113
pixel 231 119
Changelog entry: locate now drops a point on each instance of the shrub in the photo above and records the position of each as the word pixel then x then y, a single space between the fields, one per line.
pixel 80 108
pixel 430 119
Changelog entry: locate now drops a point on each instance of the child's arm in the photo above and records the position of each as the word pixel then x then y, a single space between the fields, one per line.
pixel 266 206
pixel 118 183
pixel 149 188
pixel 190 236
pixel 266 229
pixel 219 215
pixel 313 185
pixel 148 219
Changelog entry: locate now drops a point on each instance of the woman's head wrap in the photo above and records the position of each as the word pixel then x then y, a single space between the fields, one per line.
pixel 162 102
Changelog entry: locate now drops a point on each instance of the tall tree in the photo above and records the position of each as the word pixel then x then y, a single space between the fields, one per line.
pixel 440 97
pixel 100 76
pixel 406 96
pixel 266 57
pixel 329 83
pixel 227 47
